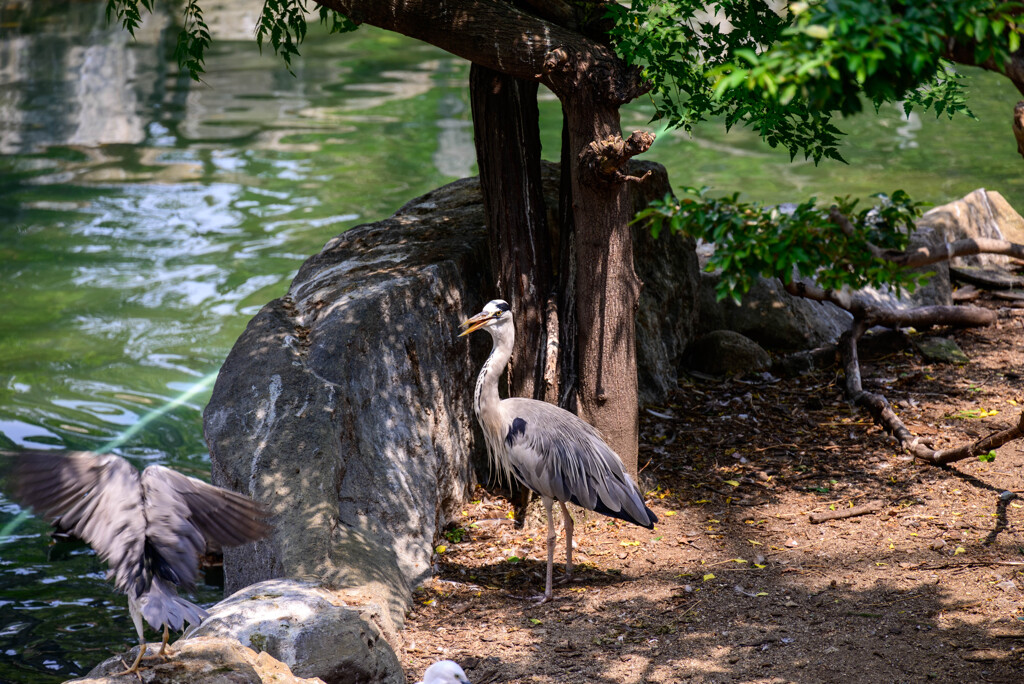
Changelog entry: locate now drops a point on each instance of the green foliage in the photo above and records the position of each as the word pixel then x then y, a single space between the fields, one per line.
pixel 988 457
pixel 127 12
pixel 193 40
pixel 753 240
pixel 282 23
pixel 785 76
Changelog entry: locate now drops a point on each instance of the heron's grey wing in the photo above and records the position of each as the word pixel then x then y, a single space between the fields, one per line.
pixel 558 455
pixel 96 497
pixel 187 511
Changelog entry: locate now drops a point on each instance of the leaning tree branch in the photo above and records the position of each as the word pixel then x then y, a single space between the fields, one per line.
pixel 506 39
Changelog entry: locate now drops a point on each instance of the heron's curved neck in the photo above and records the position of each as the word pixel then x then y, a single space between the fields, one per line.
pixel 486 399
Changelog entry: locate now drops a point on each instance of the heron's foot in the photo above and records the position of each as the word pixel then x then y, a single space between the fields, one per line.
pixel 564 579
pixel 134 667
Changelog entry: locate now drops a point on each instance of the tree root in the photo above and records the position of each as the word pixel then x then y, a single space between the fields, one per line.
pixel 883 415
pixel 866 313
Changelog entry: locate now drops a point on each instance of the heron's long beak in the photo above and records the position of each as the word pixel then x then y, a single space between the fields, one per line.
pixel 474 323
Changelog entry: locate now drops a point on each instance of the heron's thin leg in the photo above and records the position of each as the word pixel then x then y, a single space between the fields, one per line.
pixel 548 503
pixel 163 647
pixel 133 609
pixel 567 519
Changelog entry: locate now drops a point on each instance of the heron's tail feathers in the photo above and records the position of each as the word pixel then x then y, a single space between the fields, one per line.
pixel 161 605
pixel 631 513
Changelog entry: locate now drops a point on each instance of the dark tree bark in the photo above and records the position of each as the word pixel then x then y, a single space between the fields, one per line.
pixel 508 149
pixel 592 83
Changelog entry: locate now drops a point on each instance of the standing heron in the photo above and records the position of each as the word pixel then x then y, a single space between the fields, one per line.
pixel 546 448
pixel 150 527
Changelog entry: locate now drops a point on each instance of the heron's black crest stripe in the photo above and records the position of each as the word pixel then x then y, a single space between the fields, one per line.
pixel 502 306
pixel 518 428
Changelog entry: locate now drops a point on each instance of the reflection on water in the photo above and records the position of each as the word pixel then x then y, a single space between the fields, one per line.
pixel 146 218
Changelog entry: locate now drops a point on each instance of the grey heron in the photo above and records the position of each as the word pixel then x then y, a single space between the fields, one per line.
pixel 150 527
pixel 444 672
pixel 548 449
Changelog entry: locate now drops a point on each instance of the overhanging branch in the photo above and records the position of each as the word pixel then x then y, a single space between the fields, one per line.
pixel 503 38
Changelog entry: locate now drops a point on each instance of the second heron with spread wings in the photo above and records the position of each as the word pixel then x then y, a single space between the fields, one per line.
pixel 546 448
pixel 150 527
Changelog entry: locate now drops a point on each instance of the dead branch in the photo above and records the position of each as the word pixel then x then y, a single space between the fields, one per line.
pixel 977 448
pixel 883 415
pixel 863 509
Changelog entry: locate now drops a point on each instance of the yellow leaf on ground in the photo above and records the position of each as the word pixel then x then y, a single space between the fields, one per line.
pixel 709 577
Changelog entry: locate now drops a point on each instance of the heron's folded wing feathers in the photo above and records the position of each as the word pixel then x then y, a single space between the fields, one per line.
pixel 558 455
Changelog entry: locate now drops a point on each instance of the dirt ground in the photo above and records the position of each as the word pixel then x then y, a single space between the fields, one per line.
pixel 735 584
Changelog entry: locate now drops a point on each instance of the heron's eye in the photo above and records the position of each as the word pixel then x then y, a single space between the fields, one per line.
pixel 497 314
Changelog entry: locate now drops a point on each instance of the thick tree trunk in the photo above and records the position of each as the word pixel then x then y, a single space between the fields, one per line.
pixel 567 278
pixel 607 288
pixel 592 83
pixel 507 135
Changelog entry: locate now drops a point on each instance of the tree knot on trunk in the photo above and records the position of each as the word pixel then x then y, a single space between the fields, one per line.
pixel 602 159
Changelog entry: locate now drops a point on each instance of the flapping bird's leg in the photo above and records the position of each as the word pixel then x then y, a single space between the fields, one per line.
pixel 137 619
pixel 164 652
pixel 567 520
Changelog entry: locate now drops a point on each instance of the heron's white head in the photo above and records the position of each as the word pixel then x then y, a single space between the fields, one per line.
pixel 495 314
pixel 445 672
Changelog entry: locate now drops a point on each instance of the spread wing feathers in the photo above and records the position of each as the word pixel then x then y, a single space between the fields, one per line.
pixel 161 605
pixel 95 497
pixel 182 512
pixel 142 525
pixel 560 456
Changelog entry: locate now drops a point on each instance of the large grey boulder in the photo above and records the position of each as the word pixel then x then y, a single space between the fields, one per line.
pixel 346 405
pixel 770 316
pixel 726 352
pixel 312 630
pixel 208 660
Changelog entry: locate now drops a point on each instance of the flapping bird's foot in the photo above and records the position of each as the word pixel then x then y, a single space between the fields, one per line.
pixel 165 651
pixel 134 667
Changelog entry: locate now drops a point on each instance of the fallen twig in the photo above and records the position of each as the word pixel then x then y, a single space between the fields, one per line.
pixel 863 509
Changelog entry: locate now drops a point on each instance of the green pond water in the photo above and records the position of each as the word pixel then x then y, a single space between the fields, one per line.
pixel 144 218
